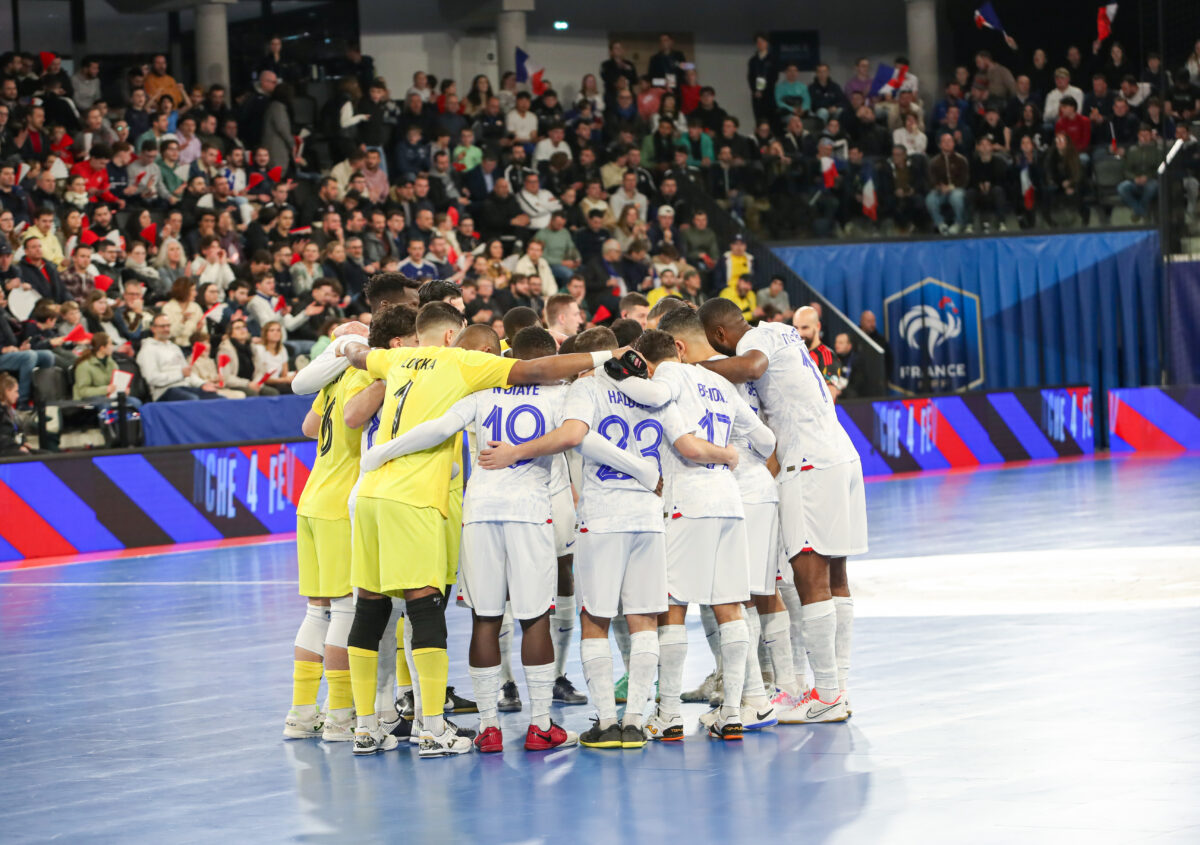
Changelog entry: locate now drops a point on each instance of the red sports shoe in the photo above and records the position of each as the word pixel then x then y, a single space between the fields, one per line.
pixel 489 741
pixel 537 739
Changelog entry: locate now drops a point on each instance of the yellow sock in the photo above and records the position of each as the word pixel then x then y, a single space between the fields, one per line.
pixel 306 680
pixel 433 667
pixel 339 689
pixel 363 666
pixel 403 676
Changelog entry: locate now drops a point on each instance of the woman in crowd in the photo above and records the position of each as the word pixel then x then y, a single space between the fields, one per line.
pixel 496 271
pixel 94 372
pixel 231 238
pixel 629 227
pixel 70 224
pixel 137 268
pixel 271 359
pixel 308 269
pixel 911 137
pixel 99 317
pixel 589 90
pixel 183 311
pixel 239 371
pixel 1029 125
pixel 1064 178
pixel 170 262
pixel 477 97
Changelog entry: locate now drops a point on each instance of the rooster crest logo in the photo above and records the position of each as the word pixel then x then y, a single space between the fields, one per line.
pixel 941 324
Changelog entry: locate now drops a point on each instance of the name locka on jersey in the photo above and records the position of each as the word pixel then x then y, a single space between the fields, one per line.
pixel 794 401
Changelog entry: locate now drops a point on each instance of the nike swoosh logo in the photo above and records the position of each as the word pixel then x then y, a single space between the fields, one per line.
pixel 814 714
pixel 565 630
pixel 761 716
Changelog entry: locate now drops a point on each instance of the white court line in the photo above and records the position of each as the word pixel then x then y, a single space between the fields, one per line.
pixel 139 583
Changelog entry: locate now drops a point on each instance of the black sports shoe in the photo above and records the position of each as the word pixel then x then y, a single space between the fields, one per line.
pixel 632 737
pixel 469 733
pixel 725 729
pixel 458 704
pixel 597 737
pixel 510 698
pixel 405 706
pixel 565 692
pixel 401 728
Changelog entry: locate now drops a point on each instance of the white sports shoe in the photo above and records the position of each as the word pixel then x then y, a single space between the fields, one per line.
pixel 445 745
pixel 784 701
pixel 664 728
pixel 367 742
pixel 812 709
pixel 338 730
pixel 754 717
pixel 707 687
pixel 300 725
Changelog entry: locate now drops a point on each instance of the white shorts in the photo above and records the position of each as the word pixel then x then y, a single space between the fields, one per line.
pixel 707 560
pixel 824 510
pixel 623 571
pixel 762 543
pixel 562 510
pixel 513 560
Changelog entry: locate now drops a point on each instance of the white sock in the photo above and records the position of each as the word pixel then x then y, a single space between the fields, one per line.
pixel 711 632
pixel 368 723
pixel 485 683
pixel 844 607
pixel 753 688
pixel 562 626
pixel 672 651
pixel 506 641
pixel 820 634
pixel 385 678
pixel 436 725
pixel 540 681
pixel 735 643
pixel 643 663
pixel 418 719
pixel 596 655
pixel 620 629
pixel 791 598
pixel 779 647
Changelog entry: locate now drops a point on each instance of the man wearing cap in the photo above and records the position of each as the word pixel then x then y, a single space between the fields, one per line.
pixel 663 231
pixel 1062 88
pixel 734 264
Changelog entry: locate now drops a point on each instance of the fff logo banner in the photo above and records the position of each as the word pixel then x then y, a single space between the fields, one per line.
pixel 935 332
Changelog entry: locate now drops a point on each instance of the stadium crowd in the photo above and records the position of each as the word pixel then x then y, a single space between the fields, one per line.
pixel 205 242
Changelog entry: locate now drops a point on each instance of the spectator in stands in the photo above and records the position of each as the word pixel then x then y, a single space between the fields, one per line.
pixel 240 371
pixel 166 371
pixel 791 93
pixel 1030 189
pixel 741 293
pixel 560 252
pixel 1064 177
pixel 131 318
pixel 628 194
pixel 182 311
pixel 1062 90
pixel 986 197
pixel 94 370
pixel 1140 186
pixel 40 275
pixel 776 295
pixel 999 79
pixel 949 173
pixel 12 437
pixel 910 137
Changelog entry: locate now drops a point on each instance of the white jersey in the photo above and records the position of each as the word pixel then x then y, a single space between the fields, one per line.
pixel 754 480
pixel 795 401
pixel 560 477
pixel 610 501
pixel 514 415
pixel 712 410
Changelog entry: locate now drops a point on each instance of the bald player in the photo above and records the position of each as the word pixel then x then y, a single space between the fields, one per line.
pixel 822 505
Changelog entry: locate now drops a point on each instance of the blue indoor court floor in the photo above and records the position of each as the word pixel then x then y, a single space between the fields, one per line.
pixel 1026 669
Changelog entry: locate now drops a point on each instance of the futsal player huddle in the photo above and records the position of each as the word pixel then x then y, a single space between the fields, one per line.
pixel 705 479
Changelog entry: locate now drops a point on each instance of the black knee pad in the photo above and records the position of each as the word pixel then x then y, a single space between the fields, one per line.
pixel 370 621
pixel 428 618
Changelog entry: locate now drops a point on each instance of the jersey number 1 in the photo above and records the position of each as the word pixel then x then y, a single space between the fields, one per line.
pixel 401 394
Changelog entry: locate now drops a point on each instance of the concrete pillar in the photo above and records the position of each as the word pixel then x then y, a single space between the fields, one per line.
pixel 212 43
pixel 922 46
pixel 511 32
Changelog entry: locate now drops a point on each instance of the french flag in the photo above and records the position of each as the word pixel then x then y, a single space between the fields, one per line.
pixel 829 172
pixel 888 79
pixel 870 204
pixel 530 73
pixel 1027 187
pixel 986 18
pixel 1104 21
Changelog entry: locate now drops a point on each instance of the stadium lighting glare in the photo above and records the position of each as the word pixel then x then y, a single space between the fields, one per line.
pixel 561 26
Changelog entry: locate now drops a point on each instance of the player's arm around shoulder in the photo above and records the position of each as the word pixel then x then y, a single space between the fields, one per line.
pixel 360 407
pixel 311 426
pixel 500 455
pixel 423 436
pixel 751 365
pixel 747 424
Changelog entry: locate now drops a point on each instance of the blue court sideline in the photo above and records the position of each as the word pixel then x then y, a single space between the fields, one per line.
pixel 143 702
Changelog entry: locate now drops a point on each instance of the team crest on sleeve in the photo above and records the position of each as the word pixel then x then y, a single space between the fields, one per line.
pixel 934 330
